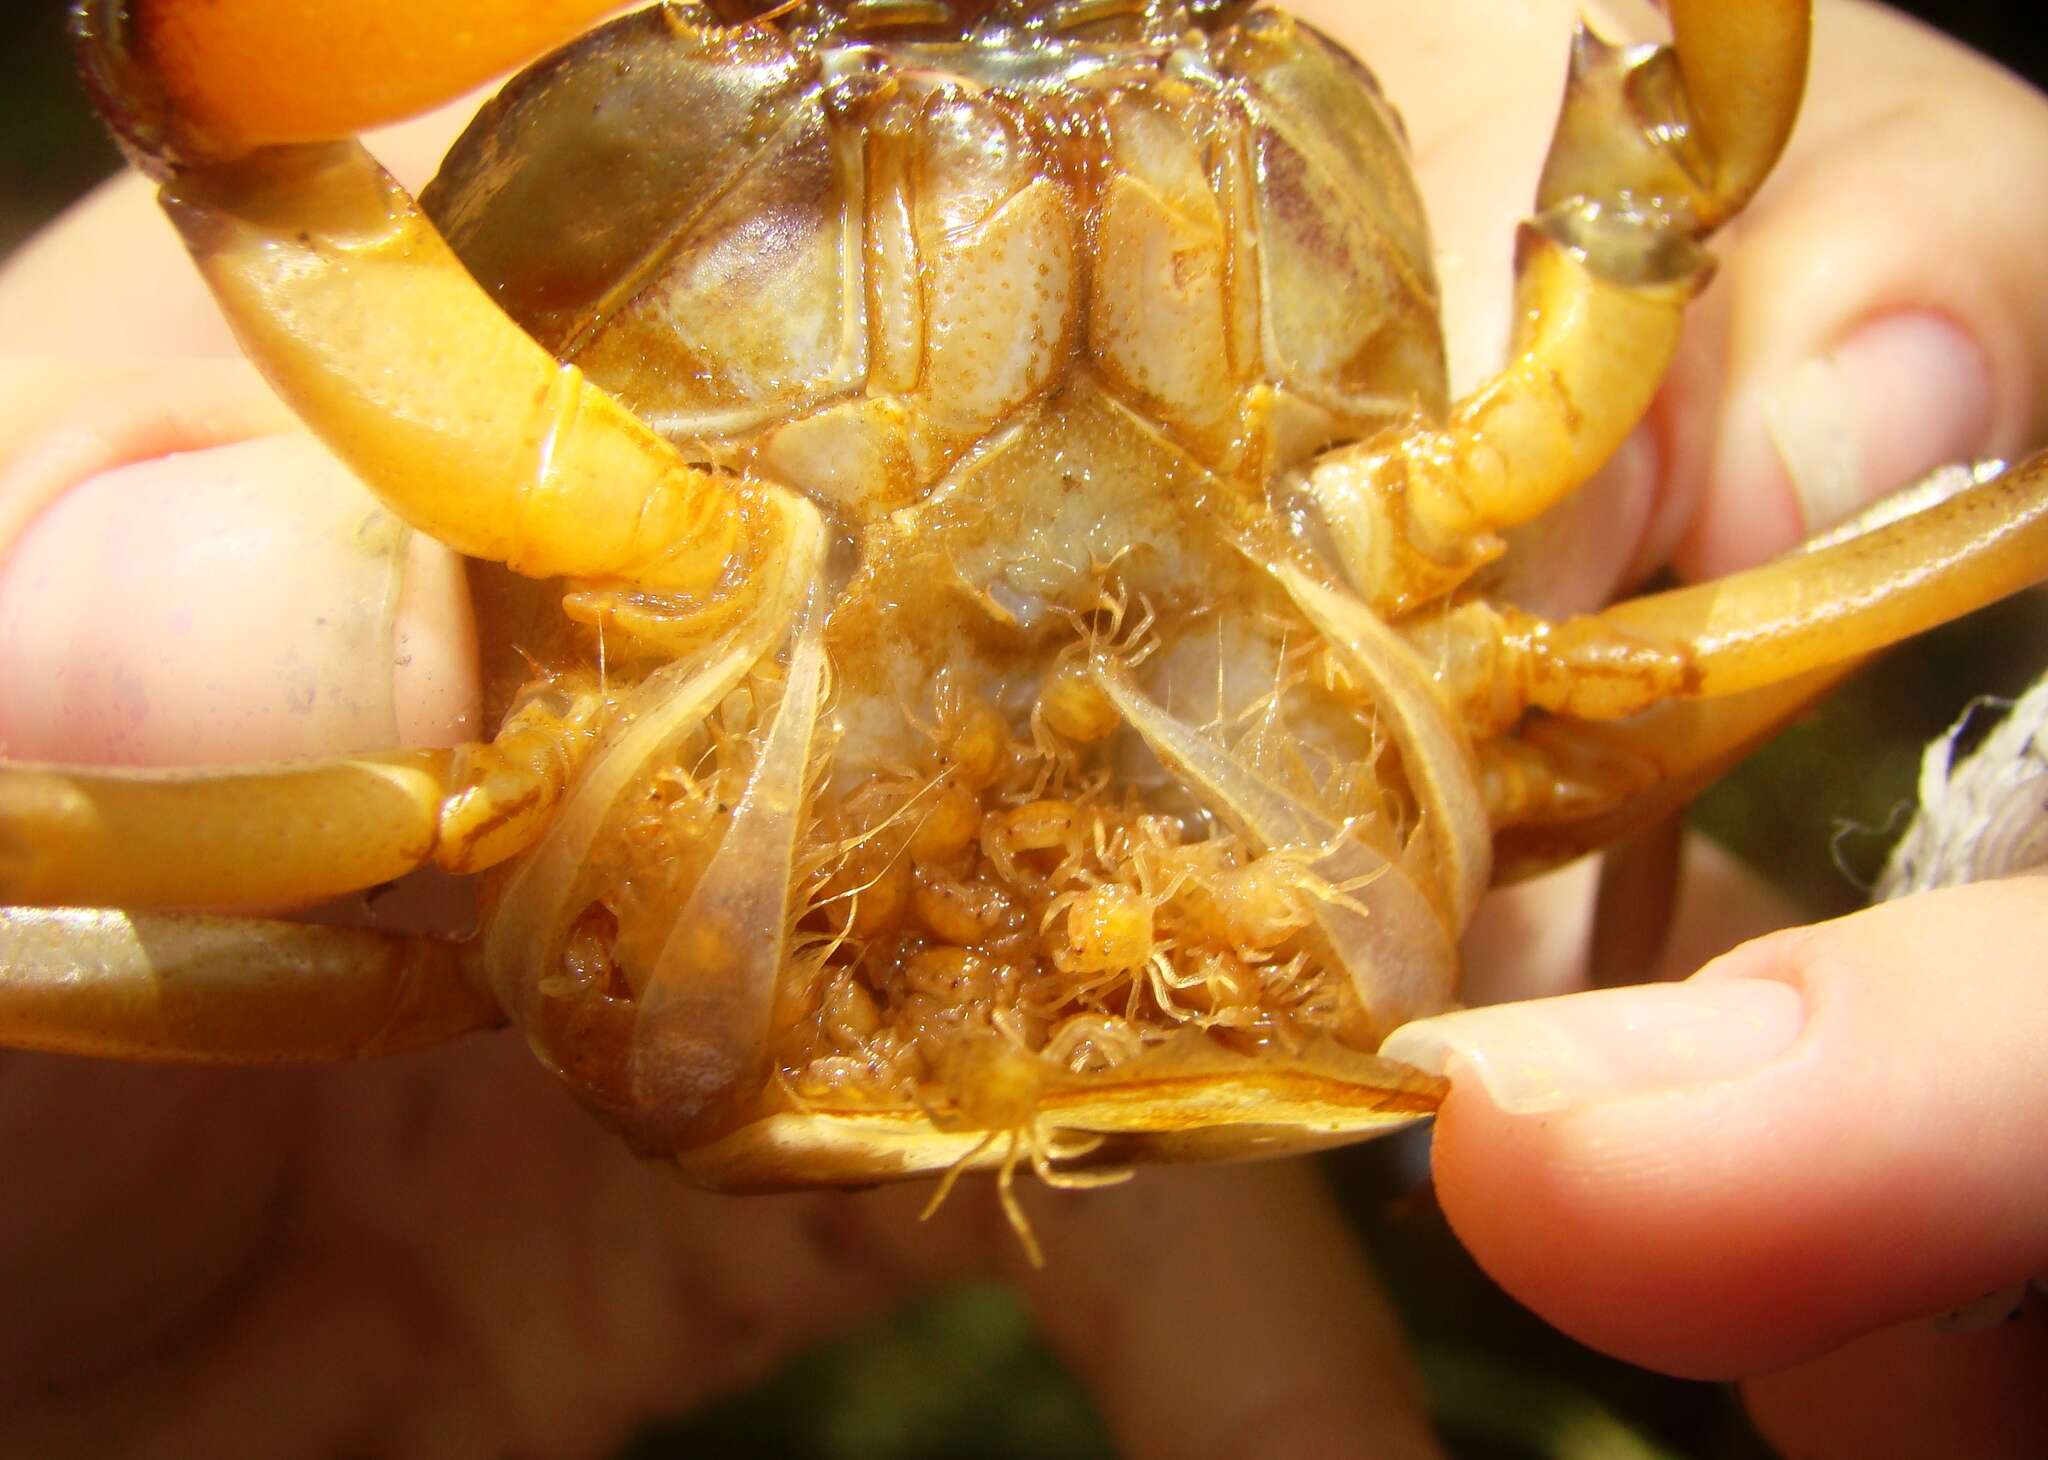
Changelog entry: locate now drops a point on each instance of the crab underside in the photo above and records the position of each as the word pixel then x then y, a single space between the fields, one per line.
pixel 987 594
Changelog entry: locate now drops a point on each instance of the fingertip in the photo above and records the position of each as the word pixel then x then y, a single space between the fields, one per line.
pixel 1712 1209
pixel 1916 392
pixel 1813 441
pixel 1868 345
pixel 1562 1162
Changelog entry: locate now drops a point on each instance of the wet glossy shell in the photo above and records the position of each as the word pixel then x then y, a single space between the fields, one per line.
pixel 1037 329
pixel 843 269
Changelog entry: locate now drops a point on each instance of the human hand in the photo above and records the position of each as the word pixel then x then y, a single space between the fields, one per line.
pixel 1772 1170
pixel 439 1254
pixel 1478 179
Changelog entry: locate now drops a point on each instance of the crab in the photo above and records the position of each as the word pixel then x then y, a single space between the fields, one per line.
pixel 991 606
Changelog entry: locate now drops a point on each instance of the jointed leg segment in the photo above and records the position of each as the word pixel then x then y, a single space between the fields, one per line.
pixel 1654 150
pixel 1749 650
pixel 225 991
pixel 286 836
pixel 222 839
pixel 1802 613
pixel 127 984
pixel 367 324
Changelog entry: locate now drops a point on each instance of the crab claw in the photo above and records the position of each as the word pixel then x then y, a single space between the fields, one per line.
pixel 1672 141
pixel 187 82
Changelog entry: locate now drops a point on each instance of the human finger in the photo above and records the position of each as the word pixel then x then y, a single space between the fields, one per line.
pixel 1915 1390
pixel 1827 1131
pixel 1886 315
pixel 1227 1314
pixel 179 585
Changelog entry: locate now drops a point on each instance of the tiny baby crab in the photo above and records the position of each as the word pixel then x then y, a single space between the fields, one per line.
pixel 986 589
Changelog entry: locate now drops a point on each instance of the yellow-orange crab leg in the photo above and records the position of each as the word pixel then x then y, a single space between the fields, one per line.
pixel 368 326
pixel 1561 787
pixel 1758 647
pixel 1803 612
pixel 1810 610
pixel 223 839
pixel 289 835
pixel 1656 148
pixel 209 990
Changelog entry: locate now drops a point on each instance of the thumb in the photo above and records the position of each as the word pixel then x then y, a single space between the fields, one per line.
pixel 187 580
pixel 1827 1131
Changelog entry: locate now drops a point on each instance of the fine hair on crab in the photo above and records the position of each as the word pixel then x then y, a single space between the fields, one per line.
pixel 990 606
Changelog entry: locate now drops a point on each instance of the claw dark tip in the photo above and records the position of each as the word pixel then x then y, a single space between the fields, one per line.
pixel 126 94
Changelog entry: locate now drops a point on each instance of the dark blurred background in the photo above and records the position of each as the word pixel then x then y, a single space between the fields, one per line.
pixel 961 1374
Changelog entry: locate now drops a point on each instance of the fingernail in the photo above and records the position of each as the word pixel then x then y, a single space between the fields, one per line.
pixel 1551 1054
pixel 1901 396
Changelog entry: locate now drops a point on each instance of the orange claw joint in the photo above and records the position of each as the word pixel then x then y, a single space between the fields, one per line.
pixel 225 77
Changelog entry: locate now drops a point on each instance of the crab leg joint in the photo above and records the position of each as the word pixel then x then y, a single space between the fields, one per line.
pixel 981 577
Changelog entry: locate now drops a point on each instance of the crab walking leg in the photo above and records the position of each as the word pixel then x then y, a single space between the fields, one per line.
pixel 241 74
pixel 288 835
pixel 1801 613
pixel 367 325
pixel 1754 650
pixel 208 990
pixel 234 839
pixel 1656 147
pixel 1560 787
pixel 1811 610
pixel 505 790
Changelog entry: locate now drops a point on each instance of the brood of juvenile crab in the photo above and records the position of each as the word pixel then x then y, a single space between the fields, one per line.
pixel 997 659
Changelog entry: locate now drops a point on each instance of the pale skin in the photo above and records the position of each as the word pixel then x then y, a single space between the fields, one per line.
pixel 1736 1215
